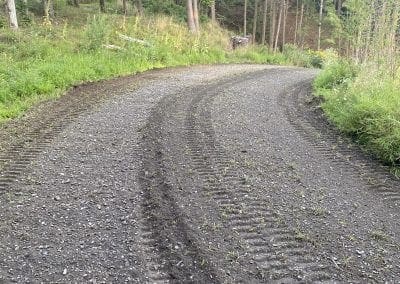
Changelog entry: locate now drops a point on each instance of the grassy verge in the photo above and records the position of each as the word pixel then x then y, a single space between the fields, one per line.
pixel 41 62
pixel 363 102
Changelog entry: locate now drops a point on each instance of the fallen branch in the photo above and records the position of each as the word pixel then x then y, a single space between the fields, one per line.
pixel 131 39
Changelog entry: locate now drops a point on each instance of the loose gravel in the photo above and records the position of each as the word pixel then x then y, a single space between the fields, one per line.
pixel 210 174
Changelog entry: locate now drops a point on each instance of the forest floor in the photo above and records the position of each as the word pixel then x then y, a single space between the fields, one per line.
pixel 208 174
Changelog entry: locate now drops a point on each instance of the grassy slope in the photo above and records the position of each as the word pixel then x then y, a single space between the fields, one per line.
pixel 364 103
pixel 40 62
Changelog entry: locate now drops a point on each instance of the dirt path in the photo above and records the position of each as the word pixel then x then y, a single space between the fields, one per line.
pixel 209 174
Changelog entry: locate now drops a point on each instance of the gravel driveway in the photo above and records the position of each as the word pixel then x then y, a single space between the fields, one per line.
pixel 207 174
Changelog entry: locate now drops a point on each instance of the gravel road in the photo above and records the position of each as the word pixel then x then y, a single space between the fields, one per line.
pixel 209 174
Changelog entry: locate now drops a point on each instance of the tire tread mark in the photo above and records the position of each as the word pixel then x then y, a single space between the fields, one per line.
pixel 208 156
pixel 315 129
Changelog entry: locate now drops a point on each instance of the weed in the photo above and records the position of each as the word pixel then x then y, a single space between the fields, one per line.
pixel 319 211
pixel 379 235
pixel 41 62
pixel 232 256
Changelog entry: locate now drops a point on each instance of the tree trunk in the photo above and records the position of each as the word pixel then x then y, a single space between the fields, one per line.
pixel 190 19
pixel 102 6
pixel 339 7
pixel 255 19
pixel 196 14
pixel 278 29
pixel 297 23
pixel 48 11
pixel 273 24
pixel 124 7
pixel 75 3
pixel 264 24
pixel 245 18
pixel 285 13
pixel 321 7
pixel 300 27
pixel 12 14
pixel 139 7
pixel 213 15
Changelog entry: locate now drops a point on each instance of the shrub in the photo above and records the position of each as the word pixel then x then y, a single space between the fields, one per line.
pixel 338 73
pixel 97 32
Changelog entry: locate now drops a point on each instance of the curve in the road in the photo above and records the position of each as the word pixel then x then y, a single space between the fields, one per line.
pixel 222 174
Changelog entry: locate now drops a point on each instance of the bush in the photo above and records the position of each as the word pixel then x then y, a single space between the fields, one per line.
pixel 303 58
pixel 97 32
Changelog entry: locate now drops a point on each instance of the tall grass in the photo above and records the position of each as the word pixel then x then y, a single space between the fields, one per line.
pixel 42 61
pixel 364 102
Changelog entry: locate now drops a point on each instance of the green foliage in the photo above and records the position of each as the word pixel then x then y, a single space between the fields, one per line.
pixel 41 62
pixel 303 58
pixel 97 32
pixel 336 74
pixel 366 107
pixel 22 10
pixel 258 54
pixel 165 7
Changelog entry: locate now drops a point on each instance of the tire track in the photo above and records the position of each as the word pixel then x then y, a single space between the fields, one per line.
pixel 179 256
pixel 14 161
pixel 32 135
pixel 334 147
pixel 275 249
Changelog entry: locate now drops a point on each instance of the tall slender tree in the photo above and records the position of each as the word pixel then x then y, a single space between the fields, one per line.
pixel 196 14
pixel 285 16
pixel 12 14
pixel 272 25
pixel 48 11
pixel 300 26
pixel 124 7
pixel 296 23
pixel 190 18
pixel 278 29
pixel 139 7
pixel 102 6
pixel 321 8
pixel 213 14
pixel 245 18
pixel 255 20
pixel 264 23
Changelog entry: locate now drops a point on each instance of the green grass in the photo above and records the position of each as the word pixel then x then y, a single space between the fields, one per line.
pixel 41 62
pixel 365 104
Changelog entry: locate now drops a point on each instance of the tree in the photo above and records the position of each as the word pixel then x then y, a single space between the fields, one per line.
pixel 272 25
pixel 213 14
pixel 296 23
pixel 245 18
pixel 264 23
pixel 102 6
pixel 300 26
pixel 124 7
pixel 285 14
pixel 190 18
pixel 196 14
pixel 12 14
pixel 255 19
pixel 321 8
pixel 48 11
pixel 278 29
pixel 139 7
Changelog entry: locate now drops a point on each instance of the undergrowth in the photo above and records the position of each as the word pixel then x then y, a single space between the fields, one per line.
pixel 41 62
pixel 363 102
